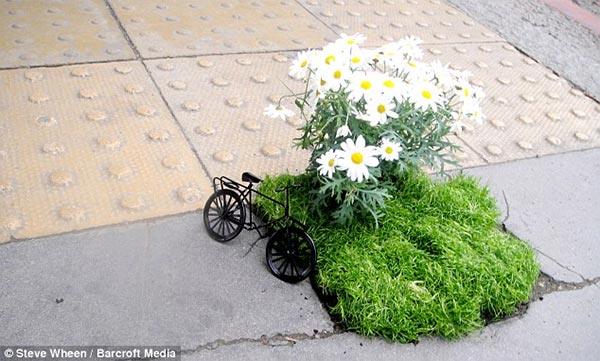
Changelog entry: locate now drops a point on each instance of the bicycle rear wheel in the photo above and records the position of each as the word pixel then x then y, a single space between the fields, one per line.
pixel 291 254
pixel 224 215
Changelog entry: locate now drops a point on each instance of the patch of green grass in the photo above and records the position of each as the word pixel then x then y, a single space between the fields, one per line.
pixel 436 265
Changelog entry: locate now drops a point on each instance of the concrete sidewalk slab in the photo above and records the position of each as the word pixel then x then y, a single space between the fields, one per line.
pixel 89 145
pixel 176 28
pixel 552 202
pixel 59 32
pixel 388 20
pixel 219 101
pixel 530 111
pixel 561 327
pixel 162 282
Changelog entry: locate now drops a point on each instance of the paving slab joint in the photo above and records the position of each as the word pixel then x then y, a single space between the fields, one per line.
pixel 276 340
pixel 123 31
pixel 178 123
pixel 316 17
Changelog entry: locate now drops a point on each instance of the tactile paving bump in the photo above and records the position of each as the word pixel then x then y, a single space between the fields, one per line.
pixel 219 101
pixel 383 21
pixel 84 146
pixel 58 32
pixel 530 110
pixel 175 27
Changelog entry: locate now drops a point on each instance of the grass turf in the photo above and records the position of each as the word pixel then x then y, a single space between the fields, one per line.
pixel 436 265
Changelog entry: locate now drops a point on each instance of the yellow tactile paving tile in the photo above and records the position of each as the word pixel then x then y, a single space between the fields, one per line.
pixel 45 32
pixel 90 145
pixel 175 27
pixel 530 110
pixel 383 21
pixel 219 101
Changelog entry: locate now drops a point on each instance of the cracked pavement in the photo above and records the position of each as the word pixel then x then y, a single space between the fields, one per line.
pixel 133 265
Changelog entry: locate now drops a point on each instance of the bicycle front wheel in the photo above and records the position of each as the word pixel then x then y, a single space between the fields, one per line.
pixel 291 254
pixel 224 215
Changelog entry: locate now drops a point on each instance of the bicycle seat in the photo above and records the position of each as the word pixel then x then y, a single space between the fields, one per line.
pixel 249 177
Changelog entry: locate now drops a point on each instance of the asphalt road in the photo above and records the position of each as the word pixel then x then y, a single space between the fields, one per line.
pixel 553 39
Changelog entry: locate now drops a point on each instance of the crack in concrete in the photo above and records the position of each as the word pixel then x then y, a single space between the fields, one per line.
pixel 561 265
pixel 277 340
pixel 507 211
pixel 505 229
pixel 547 284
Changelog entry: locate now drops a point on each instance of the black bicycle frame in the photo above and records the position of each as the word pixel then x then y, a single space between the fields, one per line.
pixel 245 193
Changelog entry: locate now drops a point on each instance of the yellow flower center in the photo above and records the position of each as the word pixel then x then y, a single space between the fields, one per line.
pixel 304 64
pixel 355 60
pixel 381 108
pixel 357 158
pixel 466 91
pixel 426 94
pixel 389 150
pixel 329 59
pixel 350 41
pixel 337 74
pixel 388 83
pixel 331 162
pixel 366 85
pixel 412 64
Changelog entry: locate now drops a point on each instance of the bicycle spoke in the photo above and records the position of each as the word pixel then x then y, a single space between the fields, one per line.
pixel 286 263
pixel 219 201
pixel 222 227
pixel 275 252
pixel 218 221
pixel 214 219
pixel 236 218
pixel 230 227
pixel 295 267
pixel 275 259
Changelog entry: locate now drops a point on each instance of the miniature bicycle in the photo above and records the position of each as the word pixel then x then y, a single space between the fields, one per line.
pixel 291 253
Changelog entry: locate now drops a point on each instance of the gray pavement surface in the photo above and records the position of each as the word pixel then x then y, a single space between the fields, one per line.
pixel 561 327
pixel 166 282
pixel 553 39
pixel 162 282
pixel 553 202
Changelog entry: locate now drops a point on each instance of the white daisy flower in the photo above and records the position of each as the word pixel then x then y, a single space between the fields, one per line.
pixel 378 110
pixel 388 54
pixel 278 111
pixel 359 59
pixel 465 90
pixel 457 126
pixel 409 47
pixel 361 85
pixel 425 95
pixel 356 158
pixel 392 87
pixel 300 66
pixel 445 79
pixel 327 163
pixel 335 76
pixel 331 54
pixel 389 150
pixel 351 40
pixel 472 109
pixel 343 131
